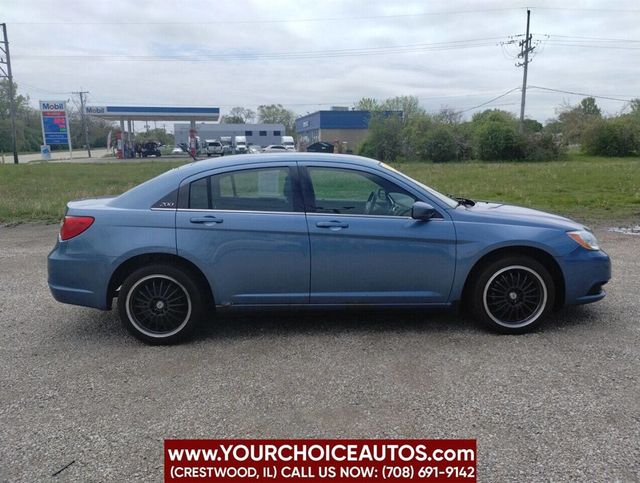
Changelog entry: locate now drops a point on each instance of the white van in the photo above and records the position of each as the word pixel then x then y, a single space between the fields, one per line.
pixel 240 144
pixel 287 142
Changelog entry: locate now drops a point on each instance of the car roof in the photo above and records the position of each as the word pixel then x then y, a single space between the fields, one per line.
pixel 246 159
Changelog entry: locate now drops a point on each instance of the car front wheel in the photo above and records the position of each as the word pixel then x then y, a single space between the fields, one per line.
pixel 513 295
pixel 160 304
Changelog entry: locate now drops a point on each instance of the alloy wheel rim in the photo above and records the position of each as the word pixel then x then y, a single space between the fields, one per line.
pixel 158 306
pixel 515 296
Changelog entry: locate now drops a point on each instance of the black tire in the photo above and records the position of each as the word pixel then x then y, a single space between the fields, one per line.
pixel 512 295
pixel 160 304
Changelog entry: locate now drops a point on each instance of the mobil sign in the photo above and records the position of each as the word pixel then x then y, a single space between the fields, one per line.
pixel 52 105
pixel 55 125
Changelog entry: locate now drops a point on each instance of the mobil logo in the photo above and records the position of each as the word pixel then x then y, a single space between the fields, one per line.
pixel 95 109
pixel 52 105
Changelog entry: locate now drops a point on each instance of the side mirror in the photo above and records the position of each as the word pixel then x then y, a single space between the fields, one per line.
pixel 422 211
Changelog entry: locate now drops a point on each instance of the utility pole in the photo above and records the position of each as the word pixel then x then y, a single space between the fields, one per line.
pixel 85 125
pixel 5 71
pixel 525 48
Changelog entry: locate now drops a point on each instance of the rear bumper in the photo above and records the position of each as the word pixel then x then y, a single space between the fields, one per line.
pixel 78 280
pixel 585 274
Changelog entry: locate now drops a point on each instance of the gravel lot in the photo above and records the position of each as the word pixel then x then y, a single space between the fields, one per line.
pixel 561 404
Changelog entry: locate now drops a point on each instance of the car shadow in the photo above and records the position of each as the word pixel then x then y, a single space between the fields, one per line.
pixel 331 322
pixel 249 324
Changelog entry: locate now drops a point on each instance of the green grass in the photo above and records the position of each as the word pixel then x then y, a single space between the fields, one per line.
pixel 587 188
pixel 39 192
pixel 584 187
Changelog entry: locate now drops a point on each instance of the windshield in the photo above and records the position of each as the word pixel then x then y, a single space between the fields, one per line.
pixel 445 199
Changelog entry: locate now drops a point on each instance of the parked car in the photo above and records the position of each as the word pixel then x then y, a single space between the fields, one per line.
pixel 227 147
pixel 177 150
pixel 314 230
pixel 320 147
pixel 274 148
pixel 150 148
pixel 213 148
pixel 253 149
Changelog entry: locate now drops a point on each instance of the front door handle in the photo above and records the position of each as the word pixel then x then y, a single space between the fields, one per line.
pixel 334 224
pixel 205 219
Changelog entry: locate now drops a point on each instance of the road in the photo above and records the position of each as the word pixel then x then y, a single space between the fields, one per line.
pixel 560 404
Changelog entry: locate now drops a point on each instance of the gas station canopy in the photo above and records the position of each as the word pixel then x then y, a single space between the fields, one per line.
pixel 152 113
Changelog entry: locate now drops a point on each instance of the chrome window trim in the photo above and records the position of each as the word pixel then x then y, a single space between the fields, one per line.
pixel 329 215
pixel 353 215
pixel 213 210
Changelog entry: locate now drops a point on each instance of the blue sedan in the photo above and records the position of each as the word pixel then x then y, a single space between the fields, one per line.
pixel 315 230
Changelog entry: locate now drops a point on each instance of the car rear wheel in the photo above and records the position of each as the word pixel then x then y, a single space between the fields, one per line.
pixel 160 304
pixel 513 295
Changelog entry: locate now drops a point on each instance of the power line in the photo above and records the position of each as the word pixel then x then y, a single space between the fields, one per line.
pixel 591 46
pixel 578 9
pixel 581 37
pixel 223 21
pixel 311 54
pixel 490 100
pixel 580 94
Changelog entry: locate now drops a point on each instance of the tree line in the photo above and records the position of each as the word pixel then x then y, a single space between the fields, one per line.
pixel 493 134
pixel 29 128
pixel 411 133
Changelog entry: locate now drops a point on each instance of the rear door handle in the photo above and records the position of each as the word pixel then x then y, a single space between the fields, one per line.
pixel 205 219
pixel 334 224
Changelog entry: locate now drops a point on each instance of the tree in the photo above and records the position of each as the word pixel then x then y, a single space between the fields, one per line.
pixel 589 107
pixel 440 145
pixel 612 137
pixel 494 115
pixel 384 140
pixel 367 104
pixel 277 114
pixel 409 105
pixel 576 120
pixel 158 134
pixel 531 125
pixel 239 115
pixel 499 141
pixel 448 116
pixel 28 130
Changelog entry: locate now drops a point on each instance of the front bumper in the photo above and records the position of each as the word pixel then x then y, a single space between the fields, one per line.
pixel 585 273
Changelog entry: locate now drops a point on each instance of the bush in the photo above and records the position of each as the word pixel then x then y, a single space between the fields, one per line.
pixel 440 145
pixel 384 139
pixel 612 137
pixel 496 140
pixel 542 147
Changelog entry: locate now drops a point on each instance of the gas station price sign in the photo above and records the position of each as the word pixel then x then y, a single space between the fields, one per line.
pixel 55 127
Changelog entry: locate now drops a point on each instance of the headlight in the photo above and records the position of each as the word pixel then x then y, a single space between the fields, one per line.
pixel 585 239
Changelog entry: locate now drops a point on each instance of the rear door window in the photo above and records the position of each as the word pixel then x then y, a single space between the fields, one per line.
pixel 263 189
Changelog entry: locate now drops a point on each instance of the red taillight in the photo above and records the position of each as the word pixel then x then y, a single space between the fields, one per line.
pixel 74 225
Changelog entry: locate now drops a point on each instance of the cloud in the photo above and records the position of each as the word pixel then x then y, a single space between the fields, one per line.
pixel 243 51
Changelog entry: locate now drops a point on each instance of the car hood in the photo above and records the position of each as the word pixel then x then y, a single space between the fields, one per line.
pixel 502 213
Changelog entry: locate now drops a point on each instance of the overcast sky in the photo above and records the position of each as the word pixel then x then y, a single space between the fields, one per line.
pixel 310 55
